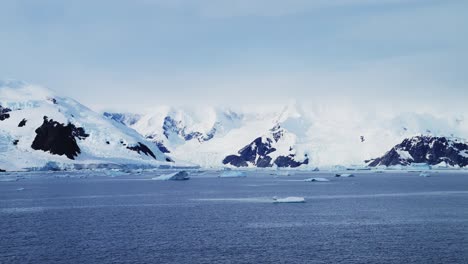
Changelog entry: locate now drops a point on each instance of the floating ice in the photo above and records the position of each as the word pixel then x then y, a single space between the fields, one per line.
pixel 20 189
pixel 284 173
pixel 8 179
pixel 233 174
pixel 176 176
pixel 291 199
pixel 316 180
pixel 344 175
pixel 424 174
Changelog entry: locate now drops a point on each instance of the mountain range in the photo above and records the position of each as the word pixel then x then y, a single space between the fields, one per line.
pixel 293 135
pixel 40 129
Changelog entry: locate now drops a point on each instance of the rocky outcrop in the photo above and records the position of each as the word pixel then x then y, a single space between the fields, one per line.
pixel 22 123
pixel 260 151
pixel 58 139
pixel 124 119
pixel 173 127
pixel 142 148
pixel 4 113
pixel 426 149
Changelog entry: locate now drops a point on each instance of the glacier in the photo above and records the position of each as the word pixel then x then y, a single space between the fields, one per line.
pixel 303 137
pixel 312 137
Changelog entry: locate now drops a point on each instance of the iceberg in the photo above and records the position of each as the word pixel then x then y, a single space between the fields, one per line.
pixel 20 189
pixel 417 167
pixel 424 174
pixel 233 174
pixel 316 180
pixel 344 175
pixel 176 176
pixel 291 199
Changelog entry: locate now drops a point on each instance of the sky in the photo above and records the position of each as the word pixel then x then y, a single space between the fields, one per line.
pixel 135 54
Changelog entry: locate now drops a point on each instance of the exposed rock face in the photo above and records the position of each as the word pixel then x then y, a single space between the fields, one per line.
pixel 258 153
pixel 142 148
pixel 124 119
pixel 159 144
pixel 4 113
pixel 288 161
pixel 426 149
pixel 59 139
pixel 161 147
pixel 22 123
pixel 171 126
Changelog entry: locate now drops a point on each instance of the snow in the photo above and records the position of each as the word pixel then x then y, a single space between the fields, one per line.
pixel 404 155
pixel 32 103
pixel 176 176
pixel 233 174
pixel 291 199
pixel 316 180
pixel 329 136
pixel 344 175
pixel 441 165
pixel 419 166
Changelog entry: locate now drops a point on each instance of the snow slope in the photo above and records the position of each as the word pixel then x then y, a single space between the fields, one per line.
pixel 327 134
pixel 103 142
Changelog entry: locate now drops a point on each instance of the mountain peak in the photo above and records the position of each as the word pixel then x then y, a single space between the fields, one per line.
pixel 428 149
pixel 19 91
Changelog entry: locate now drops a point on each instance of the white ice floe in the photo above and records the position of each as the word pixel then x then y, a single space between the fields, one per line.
pixel 176 176
pixel 424 174
pixel 8 179
pixel 284 173
pixel 291 199
pixel 344 175
pixel 233 174
pixel 20 189
pixel 316 180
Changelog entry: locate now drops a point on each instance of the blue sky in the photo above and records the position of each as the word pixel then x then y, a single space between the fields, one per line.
pixel 141 53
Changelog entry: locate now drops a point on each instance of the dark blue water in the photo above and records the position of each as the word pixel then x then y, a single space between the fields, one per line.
pixel 371 218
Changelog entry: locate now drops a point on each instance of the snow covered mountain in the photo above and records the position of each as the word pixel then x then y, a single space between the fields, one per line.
pixel 439 151
pixel 275 148
pixel 39 129
pixel 311 136
pixel 208 136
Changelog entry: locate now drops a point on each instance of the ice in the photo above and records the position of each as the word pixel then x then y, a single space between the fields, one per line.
pixel 291 199
pixel 424 174
pixel 176 176
pixel 284 173
pixel 419 167
pixel 344 175
pixel 20 189
pixel 316 180
pixel 8 179
pixel 233 174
